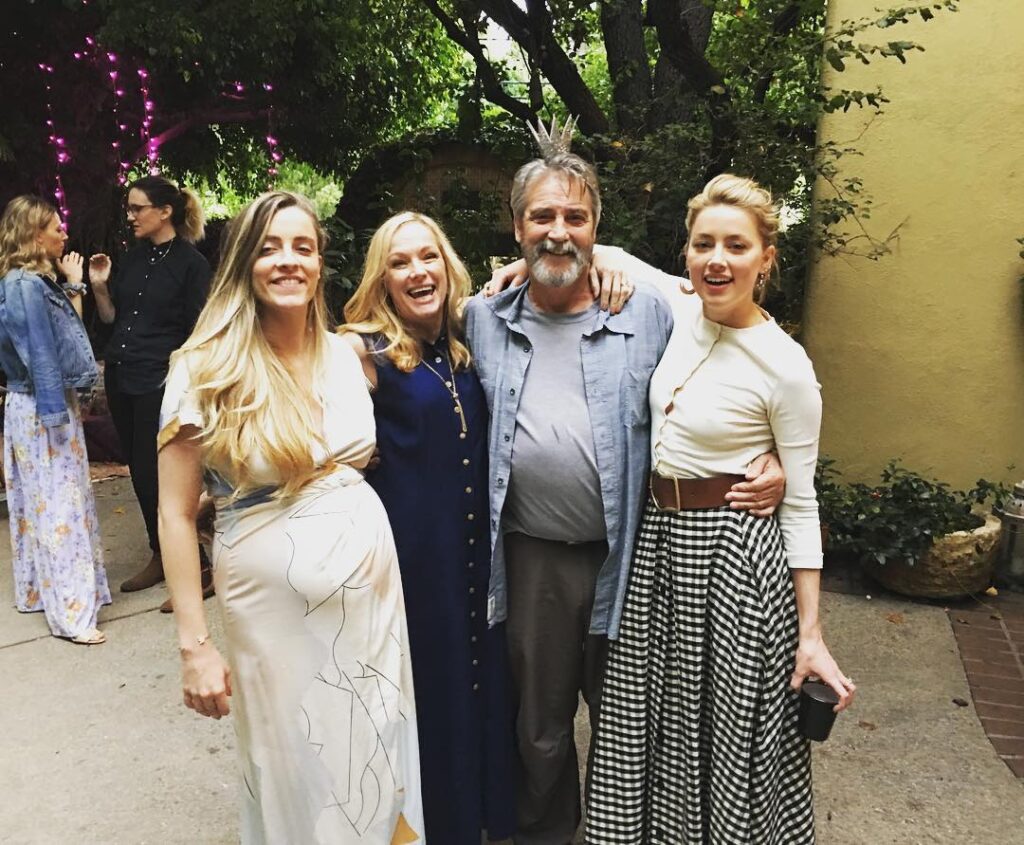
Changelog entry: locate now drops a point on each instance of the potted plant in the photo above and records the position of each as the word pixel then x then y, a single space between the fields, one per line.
pixel 914 534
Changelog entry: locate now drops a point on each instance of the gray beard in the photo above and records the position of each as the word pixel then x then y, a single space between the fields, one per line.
pixel 537 265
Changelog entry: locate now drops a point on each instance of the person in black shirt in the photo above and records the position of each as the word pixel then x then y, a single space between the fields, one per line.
pixel 153 302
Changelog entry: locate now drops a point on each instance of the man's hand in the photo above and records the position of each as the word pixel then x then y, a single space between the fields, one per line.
pixel 764 488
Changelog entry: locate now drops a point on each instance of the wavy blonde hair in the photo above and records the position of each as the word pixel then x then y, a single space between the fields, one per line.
pixel 24 218
pixel 370 310
pixel 748 195
pixel 241 386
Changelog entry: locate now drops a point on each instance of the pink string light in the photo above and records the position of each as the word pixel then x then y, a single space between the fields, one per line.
pixel 114 75
pixel 93 52
pixel 108 62
pixel 152 145
pixel 57 142
pixel 273 153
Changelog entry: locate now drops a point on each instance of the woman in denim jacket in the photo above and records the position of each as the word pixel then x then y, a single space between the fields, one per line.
pixel 45 353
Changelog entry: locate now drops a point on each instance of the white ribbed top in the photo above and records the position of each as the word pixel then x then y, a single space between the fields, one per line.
pixel 734 394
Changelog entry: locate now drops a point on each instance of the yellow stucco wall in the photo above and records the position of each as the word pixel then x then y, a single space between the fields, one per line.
pixel 921 354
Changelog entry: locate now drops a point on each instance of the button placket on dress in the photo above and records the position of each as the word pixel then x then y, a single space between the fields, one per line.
pixel 475 590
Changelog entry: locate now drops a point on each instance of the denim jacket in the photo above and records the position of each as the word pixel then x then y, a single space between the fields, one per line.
pixel 43 345
pixel 619 353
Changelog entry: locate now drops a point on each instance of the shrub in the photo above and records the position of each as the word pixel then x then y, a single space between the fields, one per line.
pixel 898 518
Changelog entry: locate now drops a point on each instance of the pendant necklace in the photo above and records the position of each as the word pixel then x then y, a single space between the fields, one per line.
pixel 156 258
pixel 453 390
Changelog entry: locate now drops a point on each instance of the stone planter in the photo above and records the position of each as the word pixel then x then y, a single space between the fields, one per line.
pixel 958 564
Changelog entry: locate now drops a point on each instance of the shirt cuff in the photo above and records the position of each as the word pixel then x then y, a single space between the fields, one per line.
pixel 53 420
pixel 805 560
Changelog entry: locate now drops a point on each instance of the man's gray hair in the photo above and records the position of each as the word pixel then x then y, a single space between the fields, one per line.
pixel 555 158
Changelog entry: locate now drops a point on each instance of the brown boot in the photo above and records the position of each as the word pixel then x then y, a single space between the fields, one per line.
pixel 208 591
pixel 149 576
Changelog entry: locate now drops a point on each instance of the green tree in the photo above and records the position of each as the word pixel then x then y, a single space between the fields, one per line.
pixel 343 76
pixel 671 92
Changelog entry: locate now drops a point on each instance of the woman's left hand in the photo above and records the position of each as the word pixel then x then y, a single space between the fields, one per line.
pixel 611 288
pixel 814 661
pixel 70 267
pixel 511 275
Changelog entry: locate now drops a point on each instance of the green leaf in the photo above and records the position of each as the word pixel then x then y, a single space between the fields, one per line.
pixel 834 59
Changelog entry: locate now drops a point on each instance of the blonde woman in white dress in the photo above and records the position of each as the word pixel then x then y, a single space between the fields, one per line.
pixel 271 413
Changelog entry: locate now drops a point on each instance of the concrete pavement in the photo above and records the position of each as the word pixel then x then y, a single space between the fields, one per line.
pixel 95 746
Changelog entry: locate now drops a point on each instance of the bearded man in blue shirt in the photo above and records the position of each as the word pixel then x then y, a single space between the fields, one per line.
pixel 566 384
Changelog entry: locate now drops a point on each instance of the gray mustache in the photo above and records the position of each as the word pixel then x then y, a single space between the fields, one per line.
pixel 566 248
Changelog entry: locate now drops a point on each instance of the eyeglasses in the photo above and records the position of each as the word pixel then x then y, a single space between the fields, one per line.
pixel 134 210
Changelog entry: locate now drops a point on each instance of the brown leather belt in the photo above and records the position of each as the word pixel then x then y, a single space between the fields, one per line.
pixel 688 494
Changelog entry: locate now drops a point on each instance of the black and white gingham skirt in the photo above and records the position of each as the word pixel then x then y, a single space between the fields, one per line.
pixel 698 739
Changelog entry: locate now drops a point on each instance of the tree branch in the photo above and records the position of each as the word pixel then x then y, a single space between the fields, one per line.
pixel 679 47
pixel 199 118
pixel 784 23
pixel 558 68
pixel 489 80
pixel 623 33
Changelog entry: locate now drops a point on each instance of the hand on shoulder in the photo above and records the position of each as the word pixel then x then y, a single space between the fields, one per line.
pixel 357 343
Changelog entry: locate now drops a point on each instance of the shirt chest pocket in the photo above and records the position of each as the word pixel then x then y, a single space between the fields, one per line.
pixel 636 408
pixel 56 300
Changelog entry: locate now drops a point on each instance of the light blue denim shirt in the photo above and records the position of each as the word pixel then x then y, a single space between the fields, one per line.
pixel 619 353
pixel 44 349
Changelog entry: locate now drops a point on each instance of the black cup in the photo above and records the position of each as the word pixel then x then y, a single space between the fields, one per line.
pixel 816 713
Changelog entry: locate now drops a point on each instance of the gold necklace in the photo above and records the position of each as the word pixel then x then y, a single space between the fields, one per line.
pixel 453 390
pixel 163 255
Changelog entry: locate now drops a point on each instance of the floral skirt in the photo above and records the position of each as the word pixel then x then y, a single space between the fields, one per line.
pixel 55 538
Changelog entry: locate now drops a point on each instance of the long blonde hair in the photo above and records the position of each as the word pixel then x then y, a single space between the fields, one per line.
pixel 24 218
pixel 370 310
pixel 242 388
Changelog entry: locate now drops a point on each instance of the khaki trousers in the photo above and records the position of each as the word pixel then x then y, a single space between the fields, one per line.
pixel 553 659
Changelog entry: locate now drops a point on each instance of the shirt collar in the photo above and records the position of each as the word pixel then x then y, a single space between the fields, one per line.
pixel 161 249
pixel 508 306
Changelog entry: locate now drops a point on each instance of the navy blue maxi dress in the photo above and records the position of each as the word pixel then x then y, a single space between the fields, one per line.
pixel 432 480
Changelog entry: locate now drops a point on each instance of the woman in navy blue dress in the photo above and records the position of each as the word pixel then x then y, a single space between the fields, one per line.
pixel 432 421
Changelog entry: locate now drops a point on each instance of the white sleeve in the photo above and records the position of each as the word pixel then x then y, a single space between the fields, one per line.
pixel 639 272
pixel 179 406
pixel 794 413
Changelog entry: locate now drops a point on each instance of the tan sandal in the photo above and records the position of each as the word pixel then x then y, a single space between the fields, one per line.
pixel 91 636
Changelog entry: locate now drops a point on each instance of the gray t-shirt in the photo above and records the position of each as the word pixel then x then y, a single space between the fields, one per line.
pixel 554 490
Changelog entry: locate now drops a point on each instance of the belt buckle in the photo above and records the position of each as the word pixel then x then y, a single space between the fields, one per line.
pixel 650 490
pixel 654 496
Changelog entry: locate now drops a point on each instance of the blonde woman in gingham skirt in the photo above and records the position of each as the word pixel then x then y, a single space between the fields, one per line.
pixel 698 739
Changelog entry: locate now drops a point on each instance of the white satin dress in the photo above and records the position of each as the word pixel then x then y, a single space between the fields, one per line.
pixel 314 618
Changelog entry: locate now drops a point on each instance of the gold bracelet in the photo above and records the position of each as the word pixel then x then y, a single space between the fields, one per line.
pixel 200 641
